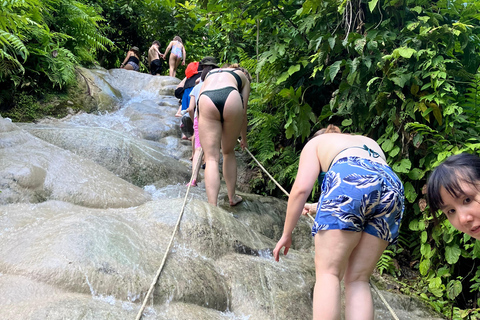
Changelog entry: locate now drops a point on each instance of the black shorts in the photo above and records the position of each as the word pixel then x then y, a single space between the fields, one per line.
pixel 156 67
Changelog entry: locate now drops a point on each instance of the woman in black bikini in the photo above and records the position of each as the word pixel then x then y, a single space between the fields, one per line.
pixel 132 60
pixel 222 107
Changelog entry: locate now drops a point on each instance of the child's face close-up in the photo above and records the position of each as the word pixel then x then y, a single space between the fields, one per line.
pixel 463 211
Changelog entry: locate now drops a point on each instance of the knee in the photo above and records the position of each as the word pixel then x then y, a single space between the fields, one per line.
pixel 322 270
pixel 351 277
pixel 212 158
pixel 228 153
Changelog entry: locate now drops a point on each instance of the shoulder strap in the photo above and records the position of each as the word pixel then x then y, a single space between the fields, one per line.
pixel 237 77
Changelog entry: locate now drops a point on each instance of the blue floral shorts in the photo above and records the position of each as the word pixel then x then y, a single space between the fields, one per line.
pixel 361 195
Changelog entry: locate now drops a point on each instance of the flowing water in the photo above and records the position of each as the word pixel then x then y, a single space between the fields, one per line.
pixel 88 205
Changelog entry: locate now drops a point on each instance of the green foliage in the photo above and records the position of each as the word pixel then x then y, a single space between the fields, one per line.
pixel 28 108
pixel 81 25
pixel 386 263
pixel 41 42
pixel 404 73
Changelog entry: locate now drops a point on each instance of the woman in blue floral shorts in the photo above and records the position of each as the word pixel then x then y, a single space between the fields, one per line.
pixel 358 215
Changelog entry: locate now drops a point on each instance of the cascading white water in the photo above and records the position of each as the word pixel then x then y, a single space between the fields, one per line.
pixel 88 205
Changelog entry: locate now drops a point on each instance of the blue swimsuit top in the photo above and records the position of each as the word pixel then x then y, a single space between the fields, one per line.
pixel 371 153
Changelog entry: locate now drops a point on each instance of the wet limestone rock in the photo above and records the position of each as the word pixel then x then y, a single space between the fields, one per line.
pixel 35 171
pixel 132 159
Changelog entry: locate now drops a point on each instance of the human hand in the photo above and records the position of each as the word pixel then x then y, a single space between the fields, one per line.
pixel 285 241
pixel 183 63
pixel 243 143
pixel 306 209
pixel 309 208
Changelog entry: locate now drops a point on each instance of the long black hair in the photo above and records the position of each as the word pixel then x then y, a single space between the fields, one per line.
pixel 206 70
pixel 449 174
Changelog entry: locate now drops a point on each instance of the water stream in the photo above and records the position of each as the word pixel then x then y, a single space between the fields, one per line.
pixel 88 204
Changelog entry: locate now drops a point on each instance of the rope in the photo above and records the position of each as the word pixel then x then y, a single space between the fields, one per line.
pixel 278 185
pixel 274 181
pixel 150 290
pixel 384 301
pixel 159 271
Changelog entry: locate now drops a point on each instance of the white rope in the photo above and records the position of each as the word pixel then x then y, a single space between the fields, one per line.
pixel 278 185
pixel 159 271
pixel 150 290
pixel 274 181
pixel 384 301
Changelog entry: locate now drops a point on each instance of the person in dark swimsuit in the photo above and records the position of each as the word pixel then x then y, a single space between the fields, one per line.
pixel 219 96
pixel 222 117
pixel 132 60
pixel 357 216
pixel 154 56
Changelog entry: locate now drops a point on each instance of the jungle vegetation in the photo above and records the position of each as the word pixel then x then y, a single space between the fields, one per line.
pixel 404 72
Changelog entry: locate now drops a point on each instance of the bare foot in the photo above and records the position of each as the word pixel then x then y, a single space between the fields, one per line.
pixel 178 115
pixel 192 184
pixel 236 200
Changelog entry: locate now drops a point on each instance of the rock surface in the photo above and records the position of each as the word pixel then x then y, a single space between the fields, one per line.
pixel 88 205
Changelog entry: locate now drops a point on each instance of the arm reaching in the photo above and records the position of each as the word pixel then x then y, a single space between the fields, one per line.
pixel 166 50
pixel 126 59
pixel 245 95
pixel 184 55
pixel 308 170
pixel 191 107
pixel 285 241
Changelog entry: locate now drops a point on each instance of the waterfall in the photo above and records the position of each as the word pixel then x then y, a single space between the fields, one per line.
pixel 88 204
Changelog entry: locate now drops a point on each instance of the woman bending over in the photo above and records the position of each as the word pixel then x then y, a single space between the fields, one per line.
pixel 358 215
pixel 222 117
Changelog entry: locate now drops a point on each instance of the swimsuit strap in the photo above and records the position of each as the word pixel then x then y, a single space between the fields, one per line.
pixel 237 77
pixel 372 153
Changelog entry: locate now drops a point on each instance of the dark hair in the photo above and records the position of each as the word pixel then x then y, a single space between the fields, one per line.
pixel 464 167
pixel 156 42
pixel 207 69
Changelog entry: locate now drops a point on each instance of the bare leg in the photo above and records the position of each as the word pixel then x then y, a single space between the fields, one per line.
pixel 173 62
pixel 179 111
pixel 358 297
pixel 196 165
pixel 128 67
pixel 193 148
pixel 332 251
pixel 179 60
pixel 233 120
pixel 210 130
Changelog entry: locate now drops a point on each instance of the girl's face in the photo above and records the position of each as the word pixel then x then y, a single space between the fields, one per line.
pixel 463 212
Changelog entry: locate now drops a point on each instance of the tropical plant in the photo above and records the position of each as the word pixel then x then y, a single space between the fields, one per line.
pixel 401 72
pixel 41 43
